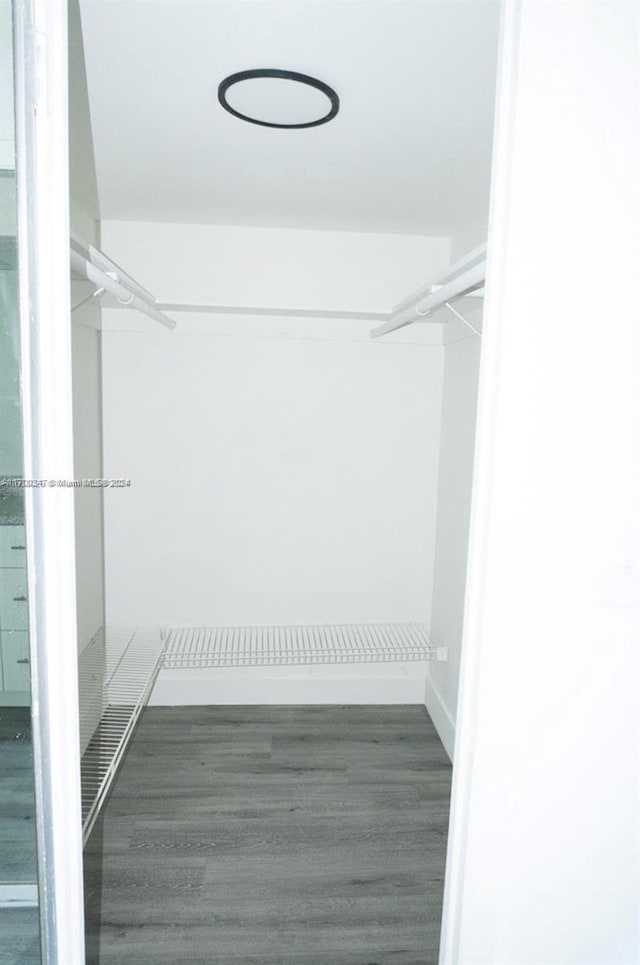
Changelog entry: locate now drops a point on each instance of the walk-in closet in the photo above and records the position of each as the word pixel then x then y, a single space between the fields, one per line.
pixel 281 390
pixel 288 231
pixel 277 333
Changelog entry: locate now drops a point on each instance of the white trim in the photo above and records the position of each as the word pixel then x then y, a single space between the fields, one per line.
pixel 440 715
pixel 400 683
pixel 493 341
pixel 262 310
pixel 45 321
pixel 256 326
pixel 18 895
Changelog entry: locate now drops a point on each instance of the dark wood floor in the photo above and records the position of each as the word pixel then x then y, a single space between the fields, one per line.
pixel 19 927
pixel 17 805
pixel 19 936
pixel 272 836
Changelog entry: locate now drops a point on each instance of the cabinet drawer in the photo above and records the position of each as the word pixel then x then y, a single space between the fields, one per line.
pixel 13 599
pixel 12 546
pixel 14 649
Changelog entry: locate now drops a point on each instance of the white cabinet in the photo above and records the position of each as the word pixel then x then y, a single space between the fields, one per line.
pixel 13 599
pixel 12 547
pixel 14 636
pixel 14 646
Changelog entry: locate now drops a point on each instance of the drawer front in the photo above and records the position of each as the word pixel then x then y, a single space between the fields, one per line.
pixel 12 546
pixel 14 650
pixel 13 599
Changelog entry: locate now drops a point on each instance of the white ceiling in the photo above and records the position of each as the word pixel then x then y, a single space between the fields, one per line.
pixel 409 152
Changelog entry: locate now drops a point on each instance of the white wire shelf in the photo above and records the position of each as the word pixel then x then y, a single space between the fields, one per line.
pixel 132 660
pixel 194 648
pixel 118 671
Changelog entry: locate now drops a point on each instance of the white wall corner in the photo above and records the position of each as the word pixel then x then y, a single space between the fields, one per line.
pixel 440 715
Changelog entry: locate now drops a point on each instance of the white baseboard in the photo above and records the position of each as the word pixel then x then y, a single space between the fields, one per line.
pixel 18 895
pixel 440 715
pixel 15 698
pixel 362 683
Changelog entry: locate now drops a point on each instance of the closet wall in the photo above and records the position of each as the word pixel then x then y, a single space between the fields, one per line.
pixel 87 428
pixel 544 836
pixel 461 367
pixel 7 139
pixel 86 347
pixel 455 475
pixel 283 470
pixel 87 399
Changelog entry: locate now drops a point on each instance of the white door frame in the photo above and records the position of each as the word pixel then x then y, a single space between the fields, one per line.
pixel 41 84
pixel 546 781
pixel 492 340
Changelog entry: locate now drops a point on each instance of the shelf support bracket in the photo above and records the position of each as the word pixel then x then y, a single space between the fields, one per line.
pixel 464 320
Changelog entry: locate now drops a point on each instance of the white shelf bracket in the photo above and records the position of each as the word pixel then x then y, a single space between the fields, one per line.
pixel 465 276
pixel 464 320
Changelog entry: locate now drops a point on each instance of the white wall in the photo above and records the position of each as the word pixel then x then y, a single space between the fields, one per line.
pixel 10 411
pixel 7 143
pixel 87 430
pixel 279 479
pixel 455 475
pixel 276 268
pixel 544 861
pixel 86 343
pixel 273 481
pixel 82 169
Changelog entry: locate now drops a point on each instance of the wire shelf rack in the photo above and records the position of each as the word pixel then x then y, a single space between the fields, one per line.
pixel 131 661
pixel 287 645
pixel 119 668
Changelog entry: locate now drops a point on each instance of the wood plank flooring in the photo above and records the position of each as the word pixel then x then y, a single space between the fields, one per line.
pixel 19 936
pixel 19 927
pixel 17 803
pixel 272 836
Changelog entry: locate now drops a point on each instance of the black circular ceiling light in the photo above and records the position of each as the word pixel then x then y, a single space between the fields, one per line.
pixel 278 98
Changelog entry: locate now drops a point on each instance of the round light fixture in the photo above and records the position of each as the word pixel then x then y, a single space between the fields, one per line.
pixel 278 98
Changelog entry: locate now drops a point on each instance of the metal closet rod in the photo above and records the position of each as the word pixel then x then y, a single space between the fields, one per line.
pixel 461 278
pixel 93 265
